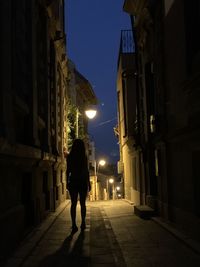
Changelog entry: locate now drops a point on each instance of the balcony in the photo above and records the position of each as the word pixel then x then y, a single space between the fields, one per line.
pixel 126 50
pixel 126 83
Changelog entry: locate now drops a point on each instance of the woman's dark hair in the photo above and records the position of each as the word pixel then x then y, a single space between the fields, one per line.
pixel 78 149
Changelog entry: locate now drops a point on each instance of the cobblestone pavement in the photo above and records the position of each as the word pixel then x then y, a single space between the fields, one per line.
pixel 114 237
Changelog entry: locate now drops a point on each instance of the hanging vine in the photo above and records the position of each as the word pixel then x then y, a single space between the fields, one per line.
pixel 71 123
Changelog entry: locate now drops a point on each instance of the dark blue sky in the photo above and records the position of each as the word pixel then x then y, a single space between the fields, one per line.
pixel 93 29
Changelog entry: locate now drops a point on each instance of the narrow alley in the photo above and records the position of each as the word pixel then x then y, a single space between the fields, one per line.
pixel 114 237
pixel 122 80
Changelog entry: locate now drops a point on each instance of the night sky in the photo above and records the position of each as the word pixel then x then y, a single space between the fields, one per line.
pixel 93 29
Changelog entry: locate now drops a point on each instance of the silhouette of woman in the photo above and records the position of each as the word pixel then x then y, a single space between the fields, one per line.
pixel 78 181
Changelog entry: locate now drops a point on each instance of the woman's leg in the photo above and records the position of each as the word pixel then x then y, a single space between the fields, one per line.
pixel 74 198
pixel 83 195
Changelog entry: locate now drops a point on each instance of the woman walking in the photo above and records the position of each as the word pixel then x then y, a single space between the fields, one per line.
pixel 78 181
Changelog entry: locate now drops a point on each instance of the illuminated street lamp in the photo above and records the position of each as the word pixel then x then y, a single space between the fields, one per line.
pixel 111 182
pixel 118 193
pixel 91 113
pixel 101 162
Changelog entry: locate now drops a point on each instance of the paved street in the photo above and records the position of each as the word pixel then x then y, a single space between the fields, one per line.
pixel 114 237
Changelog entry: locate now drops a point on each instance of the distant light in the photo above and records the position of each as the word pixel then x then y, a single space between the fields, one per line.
pixel 102 162
pixel 91 113
pixel 118 188
pixel 111 180
pixel 119 195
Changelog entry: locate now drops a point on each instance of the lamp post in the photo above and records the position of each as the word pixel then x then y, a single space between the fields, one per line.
pixel 101 162
pixel 111 182
pixel 118 194
pixel 90 114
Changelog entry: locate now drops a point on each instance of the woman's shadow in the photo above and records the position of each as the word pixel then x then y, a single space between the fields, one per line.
pixel 69 254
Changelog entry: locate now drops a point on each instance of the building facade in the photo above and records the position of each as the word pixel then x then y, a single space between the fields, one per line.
pixel 32 118
pixel 167 49
pixel 130 157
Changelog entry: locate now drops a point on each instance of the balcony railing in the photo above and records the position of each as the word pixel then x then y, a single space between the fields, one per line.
pixel 127 44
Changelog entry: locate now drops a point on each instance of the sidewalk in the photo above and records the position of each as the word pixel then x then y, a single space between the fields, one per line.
pixel 114 237
pixel 33 239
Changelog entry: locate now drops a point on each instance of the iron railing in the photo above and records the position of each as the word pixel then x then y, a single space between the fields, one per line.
pixel 127 44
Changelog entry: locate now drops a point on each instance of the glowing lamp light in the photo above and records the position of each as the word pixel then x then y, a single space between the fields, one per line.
pixel 102 162
pixel 91 113
pixel 111 180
